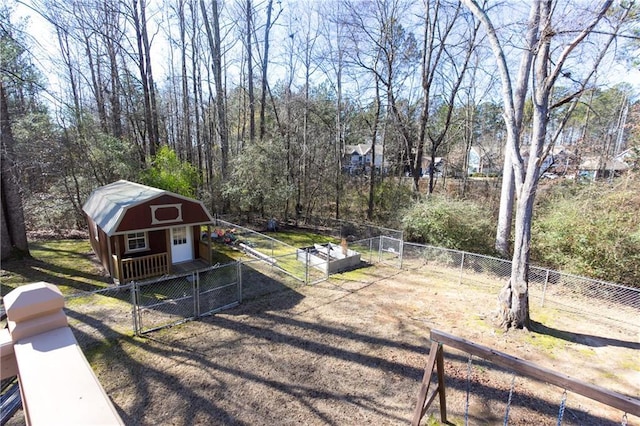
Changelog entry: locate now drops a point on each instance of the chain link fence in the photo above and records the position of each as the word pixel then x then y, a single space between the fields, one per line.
pixel 101 314
pixel 271 266
pixel 616 303
pixel 337 228
pixel 174 299
pixel 352 231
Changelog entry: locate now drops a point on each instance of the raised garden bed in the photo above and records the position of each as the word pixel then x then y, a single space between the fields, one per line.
pixel 329 258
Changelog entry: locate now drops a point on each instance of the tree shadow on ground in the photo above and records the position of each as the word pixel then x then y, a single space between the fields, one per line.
pixel 146 377
pixel 274 328
pixel 35 270
pixel 583 339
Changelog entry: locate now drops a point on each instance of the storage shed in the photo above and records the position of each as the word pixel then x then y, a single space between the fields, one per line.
pixel 139 232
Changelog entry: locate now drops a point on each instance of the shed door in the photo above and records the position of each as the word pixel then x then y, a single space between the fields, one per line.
pixel 181 245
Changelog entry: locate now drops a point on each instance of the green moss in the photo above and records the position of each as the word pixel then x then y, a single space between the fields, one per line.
pixel 65 263
pixel 546 343
pixel 630 363
pixel 302 239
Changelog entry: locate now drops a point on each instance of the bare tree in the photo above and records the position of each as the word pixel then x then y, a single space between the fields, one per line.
pixel 546 68
pixel 139 16
pixel 250 88
pixel 437 60
pixel 264 68
pixel 213 36
pixel 13 232
pixel 333 64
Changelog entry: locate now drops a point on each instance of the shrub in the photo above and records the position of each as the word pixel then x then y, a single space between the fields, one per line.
pixel 455 224
pixel 592 231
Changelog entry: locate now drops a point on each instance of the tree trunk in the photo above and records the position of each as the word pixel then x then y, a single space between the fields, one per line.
pixel 213 35
pixel 265 63
pixel 149 142
pixel 252 96
pixel 13 230
pixel 374 138
pixel 507 196
pixel 186 104
pixel 505 213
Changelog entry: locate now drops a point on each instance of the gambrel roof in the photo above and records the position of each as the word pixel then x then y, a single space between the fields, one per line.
pixel 109 204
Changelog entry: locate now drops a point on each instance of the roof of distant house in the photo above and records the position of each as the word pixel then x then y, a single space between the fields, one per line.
pixel 361 149
pixel 594 163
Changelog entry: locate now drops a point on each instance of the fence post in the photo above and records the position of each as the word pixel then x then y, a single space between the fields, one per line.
pixel 134 307
pixel 306 267
pixel 544 289
pixel 239 280
pixel 326 272
pixel 196 293
pixel 461 269
pixel 401 252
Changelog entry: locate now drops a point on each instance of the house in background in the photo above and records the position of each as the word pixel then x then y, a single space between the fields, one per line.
pixel 357 158
pixel 594 168
pixel 439 166
pixel 483 161
pixel 139 232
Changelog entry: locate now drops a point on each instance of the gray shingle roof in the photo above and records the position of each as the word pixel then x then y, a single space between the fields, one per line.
pixel 107 204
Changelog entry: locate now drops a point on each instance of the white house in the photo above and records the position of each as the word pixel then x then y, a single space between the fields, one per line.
pixel 357 158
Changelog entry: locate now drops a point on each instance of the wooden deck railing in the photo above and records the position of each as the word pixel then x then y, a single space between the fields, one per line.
pixel 57 384
pixel 139 268
pixel 613 399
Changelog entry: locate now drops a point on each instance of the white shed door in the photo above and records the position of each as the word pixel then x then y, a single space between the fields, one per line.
pixel 181 245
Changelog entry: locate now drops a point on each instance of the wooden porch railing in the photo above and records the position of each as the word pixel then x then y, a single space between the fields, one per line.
pixel 139 268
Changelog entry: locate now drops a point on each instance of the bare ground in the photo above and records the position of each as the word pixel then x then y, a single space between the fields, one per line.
pixel 352 350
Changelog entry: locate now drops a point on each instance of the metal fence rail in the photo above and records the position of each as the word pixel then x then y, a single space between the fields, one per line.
pixel 353 231
pixel 101 314
pixel 175 299
pixel 615 302
pixel 338 228
pixel 275 266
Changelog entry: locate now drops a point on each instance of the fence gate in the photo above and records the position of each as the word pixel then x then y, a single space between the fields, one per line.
pixel 175 299
pixel 391 251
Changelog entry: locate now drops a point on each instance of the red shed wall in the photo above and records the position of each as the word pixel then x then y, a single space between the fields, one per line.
pixel 140 217
pixel 99 243
pixel 157 241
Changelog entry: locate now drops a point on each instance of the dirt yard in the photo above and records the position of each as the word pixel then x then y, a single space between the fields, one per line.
pixel 352 351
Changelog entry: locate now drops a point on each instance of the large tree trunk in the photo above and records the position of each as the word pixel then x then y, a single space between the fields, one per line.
pixel 252 96
pixel 507 195
pixel 265 63
pixel 505 213
pixel 213 36
pixel 13 231
pixel 374 138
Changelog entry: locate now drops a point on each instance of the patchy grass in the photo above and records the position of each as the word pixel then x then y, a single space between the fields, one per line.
pixel 302 238
pixel 546 343
pixel 353 344
pixel 69 264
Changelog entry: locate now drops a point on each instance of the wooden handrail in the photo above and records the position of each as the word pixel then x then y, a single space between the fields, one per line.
pixel 613 399
pixel 57 384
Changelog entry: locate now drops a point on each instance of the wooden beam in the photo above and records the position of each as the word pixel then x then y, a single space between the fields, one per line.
pixel 435 358
pixel 613 399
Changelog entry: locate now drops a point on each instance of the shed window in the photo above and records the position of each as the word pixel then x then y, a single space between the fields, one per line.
pixel 137 241
pixel 180 235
